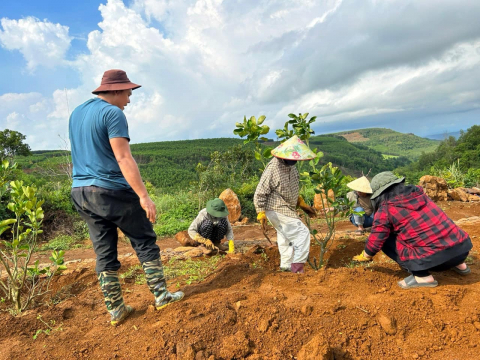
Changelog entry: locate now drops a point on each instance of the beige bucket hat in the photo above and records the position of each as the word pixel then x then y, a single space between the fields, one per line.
pixel 361 184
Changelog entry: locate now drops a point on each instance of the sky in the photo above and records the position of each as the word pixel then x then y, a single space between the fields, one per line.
pixel 409 65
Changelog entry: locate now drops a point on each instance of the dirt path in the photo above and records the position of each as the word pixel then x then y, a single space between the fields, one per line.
pixel 246 309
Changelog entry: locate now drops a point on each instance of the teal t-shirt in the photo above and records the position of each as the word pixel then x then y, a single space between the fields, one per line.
pixel 91 126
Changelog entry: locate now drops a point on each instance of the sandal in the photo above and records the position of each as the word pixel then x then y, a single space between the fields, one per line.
pixel 411 283
pixel 462 272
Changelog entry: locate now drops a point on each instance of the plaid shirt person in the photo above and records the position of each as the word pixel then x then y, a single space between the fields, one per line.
pixel 278 189
pixel 422 229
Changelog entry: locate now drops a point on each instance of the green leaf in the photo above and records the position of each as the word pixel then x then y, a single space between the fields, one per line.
pixel 267 152
pixel 7 222
pixel 258 156
pixel 261 119
pixel 293 116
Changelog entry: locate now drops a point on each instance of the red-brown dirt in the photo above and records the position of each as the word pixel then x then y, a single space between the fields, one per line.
pixel 247 309
pixel 354 137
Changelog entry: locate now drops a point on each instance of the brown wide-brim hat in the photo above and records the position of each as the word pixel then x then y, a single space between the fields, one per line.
pixel 113 80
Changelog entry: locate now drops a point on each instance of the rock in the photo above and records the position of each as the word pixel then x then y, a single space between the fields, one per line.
pixel 316 349
pixel 472 220
pixel 195 252
pixel 477 325
pixel 182 249
pixel 307 310
pixel 388 324
pixel 320 199
pixel 264 325
pixel 200 355
pixel 233 205
pixel 473 198
pixel 185 351
pixel 235 346
pixel 244 221
pixel 184 239
pixel 458 194
pixel 434 187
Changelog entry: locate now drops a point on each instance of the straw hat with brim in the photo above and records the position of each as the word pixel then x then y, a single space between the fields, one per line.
pixel 217 208
pixel 115 80
pixel 361 184
pixel 293 149
pixel 382 181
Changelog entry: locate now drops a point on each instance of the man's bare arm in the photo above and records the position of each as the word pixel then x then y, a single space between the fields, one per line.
pixel 129 168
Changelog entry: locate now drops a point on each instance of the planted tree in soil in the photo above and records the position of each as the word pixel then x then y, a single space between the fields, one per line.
pixel 253 130
pixel 328 178
pixel 23 281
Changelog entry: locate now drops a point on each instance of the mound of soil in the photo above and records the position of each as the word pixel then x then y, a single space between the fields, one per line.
pixel 246 309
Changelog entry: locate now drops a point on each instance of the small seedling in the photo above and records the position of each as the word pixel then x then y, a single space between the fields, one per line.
pixel 50 327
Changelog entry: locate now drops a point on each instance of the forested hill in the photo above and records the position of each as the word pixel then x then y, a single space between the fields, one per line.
pixel 171 164
pixel 390 142
pixel 354 159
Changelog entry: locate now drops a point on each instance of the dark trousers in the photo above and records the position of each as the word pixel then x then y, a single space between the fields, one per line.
pixel 215 233
pixel 106 210
pixel 389 249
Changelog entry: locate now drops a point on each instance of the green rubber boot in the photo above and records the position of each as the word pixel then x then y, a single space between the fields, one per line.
pixel 112 292
pixel 158 286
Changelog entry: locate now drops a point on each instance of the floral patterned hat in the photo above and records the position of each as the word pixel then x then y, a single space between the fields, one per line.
pixel 293 149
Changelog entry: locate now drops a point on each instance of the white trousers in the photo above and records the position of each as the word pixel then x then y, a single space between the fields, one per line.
pixel 293 238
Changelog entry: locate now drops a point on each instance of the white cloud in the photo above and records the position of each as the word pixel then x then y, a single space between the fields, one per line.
pixel 204 64
pixel 40 42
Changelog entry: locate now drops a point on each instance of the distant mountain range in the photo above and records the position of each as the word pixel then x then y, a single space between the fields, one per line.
pixel 390 142
pixel 444 135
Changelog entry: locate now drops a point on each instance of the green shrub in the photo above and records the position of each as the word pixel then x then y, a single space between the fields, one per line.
pixel 175 212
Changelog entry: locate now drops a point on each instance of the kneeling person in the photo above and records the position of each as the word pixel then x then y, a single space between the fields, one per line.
pixel 361 194
pixel 211 225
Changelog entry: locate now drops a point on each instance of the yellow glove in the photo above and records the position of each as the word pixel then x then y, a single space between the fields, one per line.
pixel 231 246
pixel 363 257
pixel 307 208
pixel 262 218
pixel 208 243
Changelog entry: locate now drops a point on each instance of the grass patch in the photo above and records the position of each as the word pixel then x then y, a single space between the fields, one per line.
pixel 61 242
pixel 191 270
pixel 385 156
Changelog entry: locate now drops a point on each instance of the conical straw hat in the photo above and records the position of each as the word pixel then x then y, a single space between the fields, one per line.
pixel 361 184
pixel 293 149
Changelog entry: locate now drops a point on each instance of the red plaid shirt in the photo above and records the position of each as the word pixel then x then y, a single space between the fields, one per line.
pixel 422 228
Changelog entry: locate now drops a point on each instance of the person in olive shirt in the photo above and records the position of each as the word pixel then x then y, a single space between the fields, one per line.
pixel 211 225
pixel 361 196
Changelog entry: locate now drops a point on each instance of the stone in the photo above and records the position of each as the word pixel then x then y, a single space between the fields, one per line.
pixel 320 199
pixel 182 249
pixel 458 194
pixel 195 252
pixel 185 351
pixel 233 205
pixel 434 187
pixel 472 220
pixel 316 349
pixel 473 198
pixel 388 324
pixel 235 346
pixel 477 325
pixel 184 239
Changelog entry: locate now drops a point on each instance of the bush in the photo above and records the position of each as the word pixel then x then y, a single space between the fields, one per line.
pixel 245 195
pixel 175 212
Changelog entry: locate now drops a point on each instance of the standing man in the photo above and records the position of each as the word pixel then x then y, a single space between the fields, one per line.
pixel 277 197
pixel 108 192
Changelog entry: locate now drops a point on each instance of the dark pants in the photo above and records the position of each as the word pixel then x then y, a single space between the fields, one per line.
pixel 215 233
pixel 389 249
pixel 106 210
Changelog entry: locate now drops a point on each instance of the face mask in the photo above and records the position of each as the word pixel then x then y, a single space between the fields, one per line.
pixel 289 162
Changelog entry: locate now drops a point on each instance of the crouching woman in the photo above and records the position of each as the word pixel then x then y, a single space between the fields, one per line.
pixel 413 231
